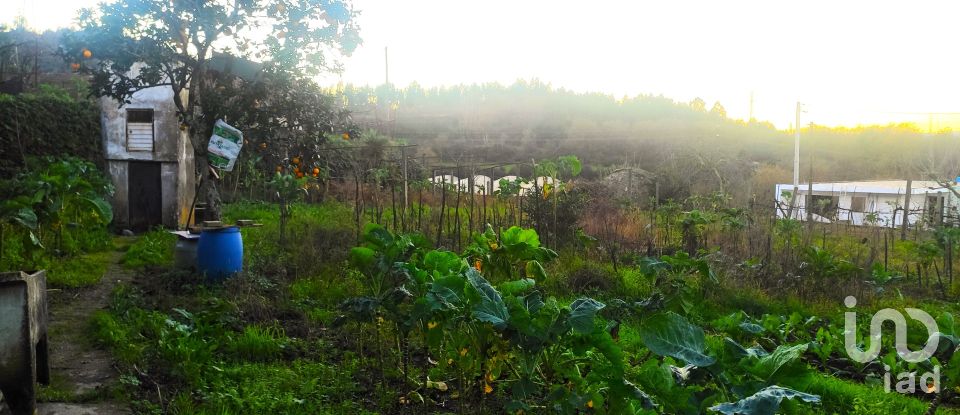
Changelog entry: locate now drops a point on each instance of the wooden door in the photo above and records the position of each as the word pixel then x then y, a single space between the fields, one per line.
pixel 146 196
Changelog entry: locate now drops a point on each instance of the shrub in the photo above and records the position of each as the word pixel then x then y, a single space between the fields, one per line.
pixel 48 123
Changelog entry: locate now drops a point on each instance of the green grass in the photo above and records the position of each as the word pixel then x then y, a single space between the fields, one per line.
pixel 257 344
pixel 79 271
pixel 124 335
pixel 846 397
pixel 153 248
pixel 298 387
pixel 61 389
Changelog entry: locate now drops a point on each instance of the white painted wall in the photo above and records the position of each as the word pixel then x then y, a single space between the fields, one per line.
pixel 172 148
pixel 883 205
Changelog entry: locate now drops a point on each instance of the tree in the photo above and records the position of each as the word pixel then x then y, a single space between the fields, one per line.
pixel 283 118
pixel 139 44
pixel 698 105
pixel 718 110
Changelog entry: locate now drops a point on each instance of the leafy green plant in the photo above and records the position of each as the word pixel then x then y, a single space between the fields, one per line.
pixel 880 278
pixel 764 402
pixel 734 374
pixel 503 256
pixel 18 212
pixel 74 193
pixel 677 278
pixel 54 208
pixel 506 336
pixel 823 265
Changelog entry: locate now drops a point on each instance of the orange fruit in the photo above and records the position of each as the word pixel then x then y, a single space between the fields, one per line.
pixel 296 160
pixel 316 170
pixel 299 175
pixel 345 136
pixel 87 53
pixel 75 66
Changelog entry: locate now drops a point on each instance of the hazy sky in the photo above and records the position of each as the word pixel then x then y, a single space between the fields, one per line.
pixel 850 62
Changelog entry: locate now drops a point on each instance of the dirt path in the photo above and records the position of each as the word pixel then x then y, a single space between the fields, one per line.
pixel 81 372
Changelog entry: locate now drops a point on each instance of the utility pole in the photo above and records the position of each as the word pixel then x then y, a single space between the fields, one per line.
pixel 406 201
pixel 796 150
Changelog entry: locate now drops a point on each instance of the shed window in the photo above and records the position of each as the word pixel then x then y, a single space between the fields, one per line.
pixel 139 130
pixel 823 205
pixel 858 203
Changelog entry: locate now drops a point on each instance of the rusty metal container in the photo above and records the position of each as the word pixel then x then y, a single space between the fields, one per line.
pixel 23 339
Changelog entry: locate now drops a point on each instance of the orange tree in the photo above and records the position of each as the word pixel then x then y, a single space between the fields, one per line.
pixel 288 122
pixel 139 44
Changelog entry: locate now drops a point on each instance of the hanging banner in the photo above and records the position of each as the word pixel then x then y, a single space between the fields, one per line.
pixel 224 147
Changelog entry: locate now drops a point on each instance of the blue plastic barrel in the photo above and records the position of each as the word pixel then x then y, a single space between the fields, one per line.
pixel 220 253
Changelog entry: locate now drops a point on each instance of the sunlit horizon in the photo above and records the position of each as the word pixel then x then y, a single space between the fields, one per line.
pixel 855 63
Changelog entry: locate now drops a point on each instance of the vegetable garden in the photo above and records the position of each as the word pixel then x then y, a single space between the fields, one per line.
pixel 489 304
pixel 377 285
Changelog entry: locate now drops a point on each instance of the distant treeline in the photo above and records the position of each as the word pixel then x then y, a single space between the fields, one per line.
pixel 684 147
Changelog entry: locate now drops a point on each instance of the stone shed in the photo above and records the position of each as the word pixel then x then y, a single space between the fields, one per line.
pixel 150 160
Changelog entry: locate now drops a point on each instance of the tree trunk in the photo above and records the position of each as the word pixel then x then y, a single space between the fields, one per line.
pixel 208 190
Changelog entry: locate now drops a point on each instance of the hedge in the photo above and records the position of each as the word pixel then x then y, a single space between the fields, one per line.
pixel 47 123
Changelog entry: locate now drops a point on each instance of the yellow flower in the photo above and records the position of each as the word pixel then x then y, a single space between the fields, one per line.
pixel 431 325
pixel 487 388
pixel 463 351
pixel 449 361
pixel 590 403
pixel 478 265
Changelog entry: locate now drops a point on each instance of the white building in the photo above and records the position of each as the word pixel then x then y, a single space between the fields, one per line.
pixel 482 185
pixel 446 179
pixel 150 160
pixel 877 202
